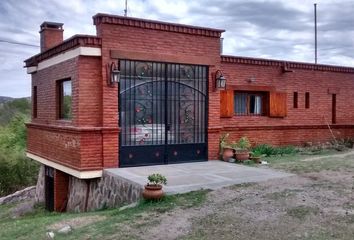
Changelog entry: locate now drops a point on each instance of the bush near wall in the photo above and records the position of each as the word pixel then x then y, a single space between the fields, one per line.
pixel 269 150
pixel 16 170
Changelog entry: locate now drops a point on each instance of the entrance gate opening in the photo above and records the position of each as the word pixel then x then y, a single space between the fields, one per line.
pixel 163 113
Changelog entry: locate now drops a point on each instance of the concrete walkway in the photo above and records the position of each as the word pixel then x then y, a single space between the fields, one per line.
pixel 188 177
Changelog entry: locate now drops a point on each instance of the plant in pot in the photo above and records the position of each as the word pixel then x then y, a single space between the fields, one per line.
pixel 227 151
pixel 256 156
pixel 153 189
pixel 242 149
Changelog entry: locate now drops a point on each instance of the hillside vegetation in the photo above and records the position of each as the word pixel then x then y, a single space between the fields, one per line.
pixel 16 170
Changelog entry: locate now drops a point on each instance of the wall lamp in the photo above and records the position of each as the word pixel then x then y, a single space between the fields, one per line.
pixel 220 81
pixel 113 74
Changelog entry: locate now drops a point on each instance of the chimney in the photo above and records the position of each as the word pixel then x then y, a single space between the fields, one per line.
pixel 51 34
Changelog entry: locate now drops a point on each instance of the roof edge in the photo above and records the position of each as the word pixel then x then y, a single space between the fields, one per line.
pixel 70 43
pixel 156 25
pixel 285 63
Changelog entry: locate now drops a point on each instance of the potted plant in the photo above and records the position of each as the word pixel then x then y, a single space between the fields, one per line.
pixel 153 189
pixel 227 151
pixel 242 149
pixel 256 156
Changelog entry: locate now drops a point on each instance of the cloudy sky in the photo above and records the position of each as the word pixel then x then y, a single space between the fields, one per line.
pixel 278 29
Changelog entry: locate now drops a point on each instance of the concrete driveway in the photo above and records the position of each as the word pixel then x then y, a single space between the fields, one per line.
pixel 188 177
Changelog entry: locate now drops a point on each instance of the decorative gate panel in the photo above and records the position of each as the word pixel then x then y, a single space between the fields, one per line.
pixel 163 113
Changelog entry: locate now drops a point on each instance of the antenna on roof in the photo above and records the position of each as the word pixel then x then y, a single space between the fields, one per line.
pixel 126 8
pixel 315 12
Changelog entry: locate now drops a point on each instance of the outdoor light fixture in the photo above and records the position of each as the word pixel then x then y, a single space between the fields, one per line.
pixel 113 74
pixel 220 81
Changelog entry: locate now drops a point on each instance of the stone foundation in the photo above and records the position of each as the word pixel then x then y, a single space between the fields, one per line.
pixel 108 191
pixel 19 196
pixel 40 191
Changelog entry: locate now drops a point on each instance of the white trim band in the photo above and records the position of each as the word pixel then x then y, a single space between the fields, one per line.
pixel 32 69
pixel 73 172
pixel 80 51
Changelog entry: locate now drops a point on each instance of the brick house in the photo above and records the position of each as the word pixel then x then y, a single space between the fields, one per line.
pixel 167 107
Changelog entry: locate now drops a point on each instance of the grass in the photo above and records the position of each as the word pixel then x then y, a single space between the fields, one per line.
pixel 282 195
pixel 35 225
pixel 297 163
pixel 131 223
pixel 301 212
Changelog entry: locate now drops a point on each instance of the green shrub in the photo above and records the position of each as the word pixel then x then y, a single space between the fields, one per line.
pixel 16 171
pixel 269 150
pixel 156 179
pixel 264 149
pixel 9 109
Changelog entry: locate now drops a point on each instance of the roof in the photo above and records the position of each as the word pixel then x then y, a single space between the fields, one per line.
pixel 156 25
pixel 283 63
pixel 70 43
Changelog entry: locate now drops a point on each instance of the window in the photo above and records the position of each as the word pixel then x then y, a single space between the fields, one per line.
pixel 34 102
pixel 250 103
pixel 295 99
pixel 307 100
pixel 64 99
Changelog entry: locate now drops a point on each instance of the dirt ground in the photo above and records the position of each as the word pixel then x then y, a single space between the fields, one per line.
pixel 317 203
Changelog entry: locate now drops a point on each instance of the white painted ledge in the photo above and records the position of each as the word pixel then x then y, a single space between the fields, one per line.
pixel 70 171
pixel 79 51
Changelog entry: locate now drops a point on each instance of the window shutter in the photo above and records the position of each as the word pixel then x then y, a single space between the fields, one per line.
pixel 226 103
pixel 278 104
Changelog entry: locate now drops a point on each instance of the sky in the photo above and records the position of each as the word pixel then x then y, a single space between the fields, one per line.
pixel 276 29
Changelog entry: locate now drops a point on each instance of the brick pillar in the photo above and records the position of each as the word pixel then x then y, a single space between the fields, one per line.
pixel 214 125
pixel 61 188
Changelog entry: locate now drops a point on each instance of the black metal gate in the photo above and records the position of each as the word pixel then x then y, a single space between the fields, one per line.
pixel 49 188
pixel 163 113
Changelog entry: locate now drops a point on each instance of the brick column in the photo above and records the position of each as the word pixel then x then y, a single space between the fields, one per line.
pixel 214 125
pixel 61 184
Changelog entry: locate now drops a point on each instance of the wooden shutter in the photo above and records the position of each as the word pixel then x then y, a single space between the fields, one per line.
pixel 226 103
pixel 277 104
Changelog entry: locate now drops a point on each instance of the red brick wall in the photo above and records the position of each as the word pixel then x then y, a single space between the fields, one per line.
pixel 95 105
pixel 61 184
pixel 46 81
pixel 152 42
pixel 316 83
pixel 90 92
pixel 76 143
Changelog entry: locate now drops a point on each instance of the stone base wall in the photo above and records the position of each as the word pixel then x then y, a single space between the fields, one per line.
pixel 19 196
pixel 40 191
pixel 108 191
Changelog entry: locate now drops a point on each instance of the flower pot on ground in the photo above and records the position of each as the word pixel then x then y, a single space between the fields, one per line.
pixel 242 155
pixel 153 189
pixel 227 153
pixel 242 149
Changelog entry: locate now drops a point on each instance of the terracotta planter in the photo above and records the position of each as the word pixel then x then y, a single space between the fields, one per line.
pixel 242 155
pixel 228 153
pixel 153 192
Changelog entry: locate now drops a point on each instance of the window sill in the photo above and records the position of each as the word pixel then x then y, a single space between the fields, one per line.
pixel 251 115
pixel 67 121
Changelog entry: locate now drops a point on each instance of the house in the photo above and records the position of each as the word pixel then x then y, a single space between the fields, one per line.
pixel 144 92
